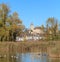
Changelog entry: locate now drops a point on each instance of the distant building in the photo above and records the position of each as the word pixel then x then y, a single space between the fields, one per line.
pixel 33 33
pixel 35 30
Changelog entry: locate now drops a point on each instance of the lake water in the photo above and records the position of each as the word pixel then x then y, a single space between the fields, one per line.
pixel 27 57
pixel 32 57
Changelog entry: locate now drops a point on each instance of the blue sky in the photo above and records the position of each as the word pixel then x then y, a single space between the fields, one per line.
pixel 34 11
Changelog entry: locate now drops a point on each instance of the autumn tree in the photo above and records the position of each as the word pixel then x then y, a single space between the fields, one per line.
pixel 16 25
pixel 10 24
pixel 4 11
pixel 52 26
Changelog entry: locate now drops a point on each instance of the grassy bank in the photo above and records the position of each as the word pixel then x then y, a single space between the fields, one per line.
pixel 51 47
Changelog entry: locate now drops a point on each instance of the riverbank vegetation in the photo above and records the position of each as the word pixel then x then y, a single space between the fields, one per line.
pixel 51 48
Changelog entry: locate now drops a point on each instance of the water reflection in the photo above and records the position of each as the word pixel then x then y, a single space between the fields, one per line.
pixel 28 57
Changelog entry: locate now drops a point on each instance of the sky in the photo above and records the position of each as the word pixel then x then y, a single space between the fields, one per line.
pixel 34 11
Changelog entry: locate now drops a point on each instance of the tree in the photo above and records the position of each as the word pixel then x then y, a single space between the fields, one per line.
pixel 16 24
pixel 52 26
pixel 10 24
pixel 4 10
pixel 42 27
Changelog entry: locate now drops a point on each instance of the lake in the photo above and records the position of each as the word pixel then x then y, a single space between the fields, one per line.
pixel 28 57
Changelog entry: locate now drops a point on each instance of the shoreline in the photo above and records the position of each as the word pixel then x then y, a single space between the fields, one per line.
pixel 23 47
